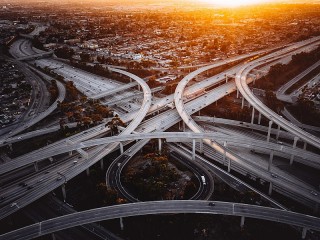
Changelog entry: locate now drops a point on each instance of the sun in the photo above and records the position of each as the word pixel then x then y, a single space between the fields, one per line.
pixel 233 3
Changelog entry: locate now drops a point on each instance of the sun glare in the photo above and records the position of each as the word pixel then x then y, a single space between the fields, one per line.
pixel 233 3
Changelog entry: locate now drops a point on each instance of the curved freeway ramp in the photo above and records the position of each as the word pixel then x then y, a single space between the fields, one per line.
pixel 242 81
pixel 98 153
pixel 162 207
pixel 232 157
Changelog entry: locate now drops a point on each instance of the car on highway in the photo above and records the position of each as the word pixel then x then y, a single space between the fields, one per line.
pixel 14 204
pixel 274 175
pixel 212 204
pixel 314 193
pixel 59 178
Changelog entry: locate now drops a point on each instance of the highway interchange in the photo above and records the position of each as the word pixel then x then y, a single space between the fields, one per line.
pixel 187 102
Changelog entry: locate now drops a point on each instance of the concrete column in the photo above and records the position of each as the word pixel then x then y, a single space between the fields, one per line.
pixel 217 103
pixel 139 87
pixel 229 163
pixel 270 188
pixel 101 164
pixel 294 146
pixel 259 118
pixel 10 146
pixel 53 236
pixel 252 117
pixel 278 132
pixel 160 145
pixel 50 159
pixel 183 126
pixel 304 233
pixel 193 149
pixel 224 153
pixel 121 224
pixel 305 146
pixel 242 221
pixel 226 78
pixel 179 126
pixel 88 172
pixel 269 130
pixel 237 93
pixel 36 166
pixel 201 146
pixel 242 103
pixel 70 153
pixel 270 161
pixel 64 194
pixel 121 147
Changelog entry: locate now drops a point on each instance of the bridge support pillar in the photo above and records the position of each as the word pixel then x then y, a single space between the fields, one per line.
pixel 70 153
pixel 50 159
pixel 229 163
pixel 101 164
pixel 270 161
pixel 64 193
pixel 225 156
pixel 53 237
pixel 36 168
pixel 121 224
pixel 193 149
pixel 121 148
pixel 183 126
pixel 139 87
pixel 259 118
pixel 160 145
pixel 305 146
pixel 10 146
pixel 237 93
pixel 278 132
pixel 201 146
pixel 242 221
pixel 269 130
pixel 304 233
pixel 252 117
pixel 242 103
pixel 226 78
pixel 88 172
pixel 270 188
pixel 294 146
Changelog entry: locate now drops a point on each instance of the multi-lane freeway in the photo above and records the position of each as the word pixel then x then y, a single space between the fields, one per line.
pixel 187 101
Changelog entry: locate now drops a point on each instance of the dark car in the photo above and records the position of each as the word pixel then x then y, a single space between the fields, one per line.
pixel 212 204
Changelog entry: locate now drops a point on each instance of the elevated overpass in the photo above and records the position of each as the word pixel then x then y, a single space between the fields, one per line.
pixel 242 81
pixel 306 222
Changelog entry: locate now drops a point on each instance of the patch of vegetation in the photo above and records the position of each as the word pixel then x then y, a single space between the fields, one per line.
pixel 155 178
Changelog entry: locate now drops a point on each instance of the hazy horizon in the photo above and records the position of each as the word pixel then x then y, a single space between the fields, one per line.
pixel 147 1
